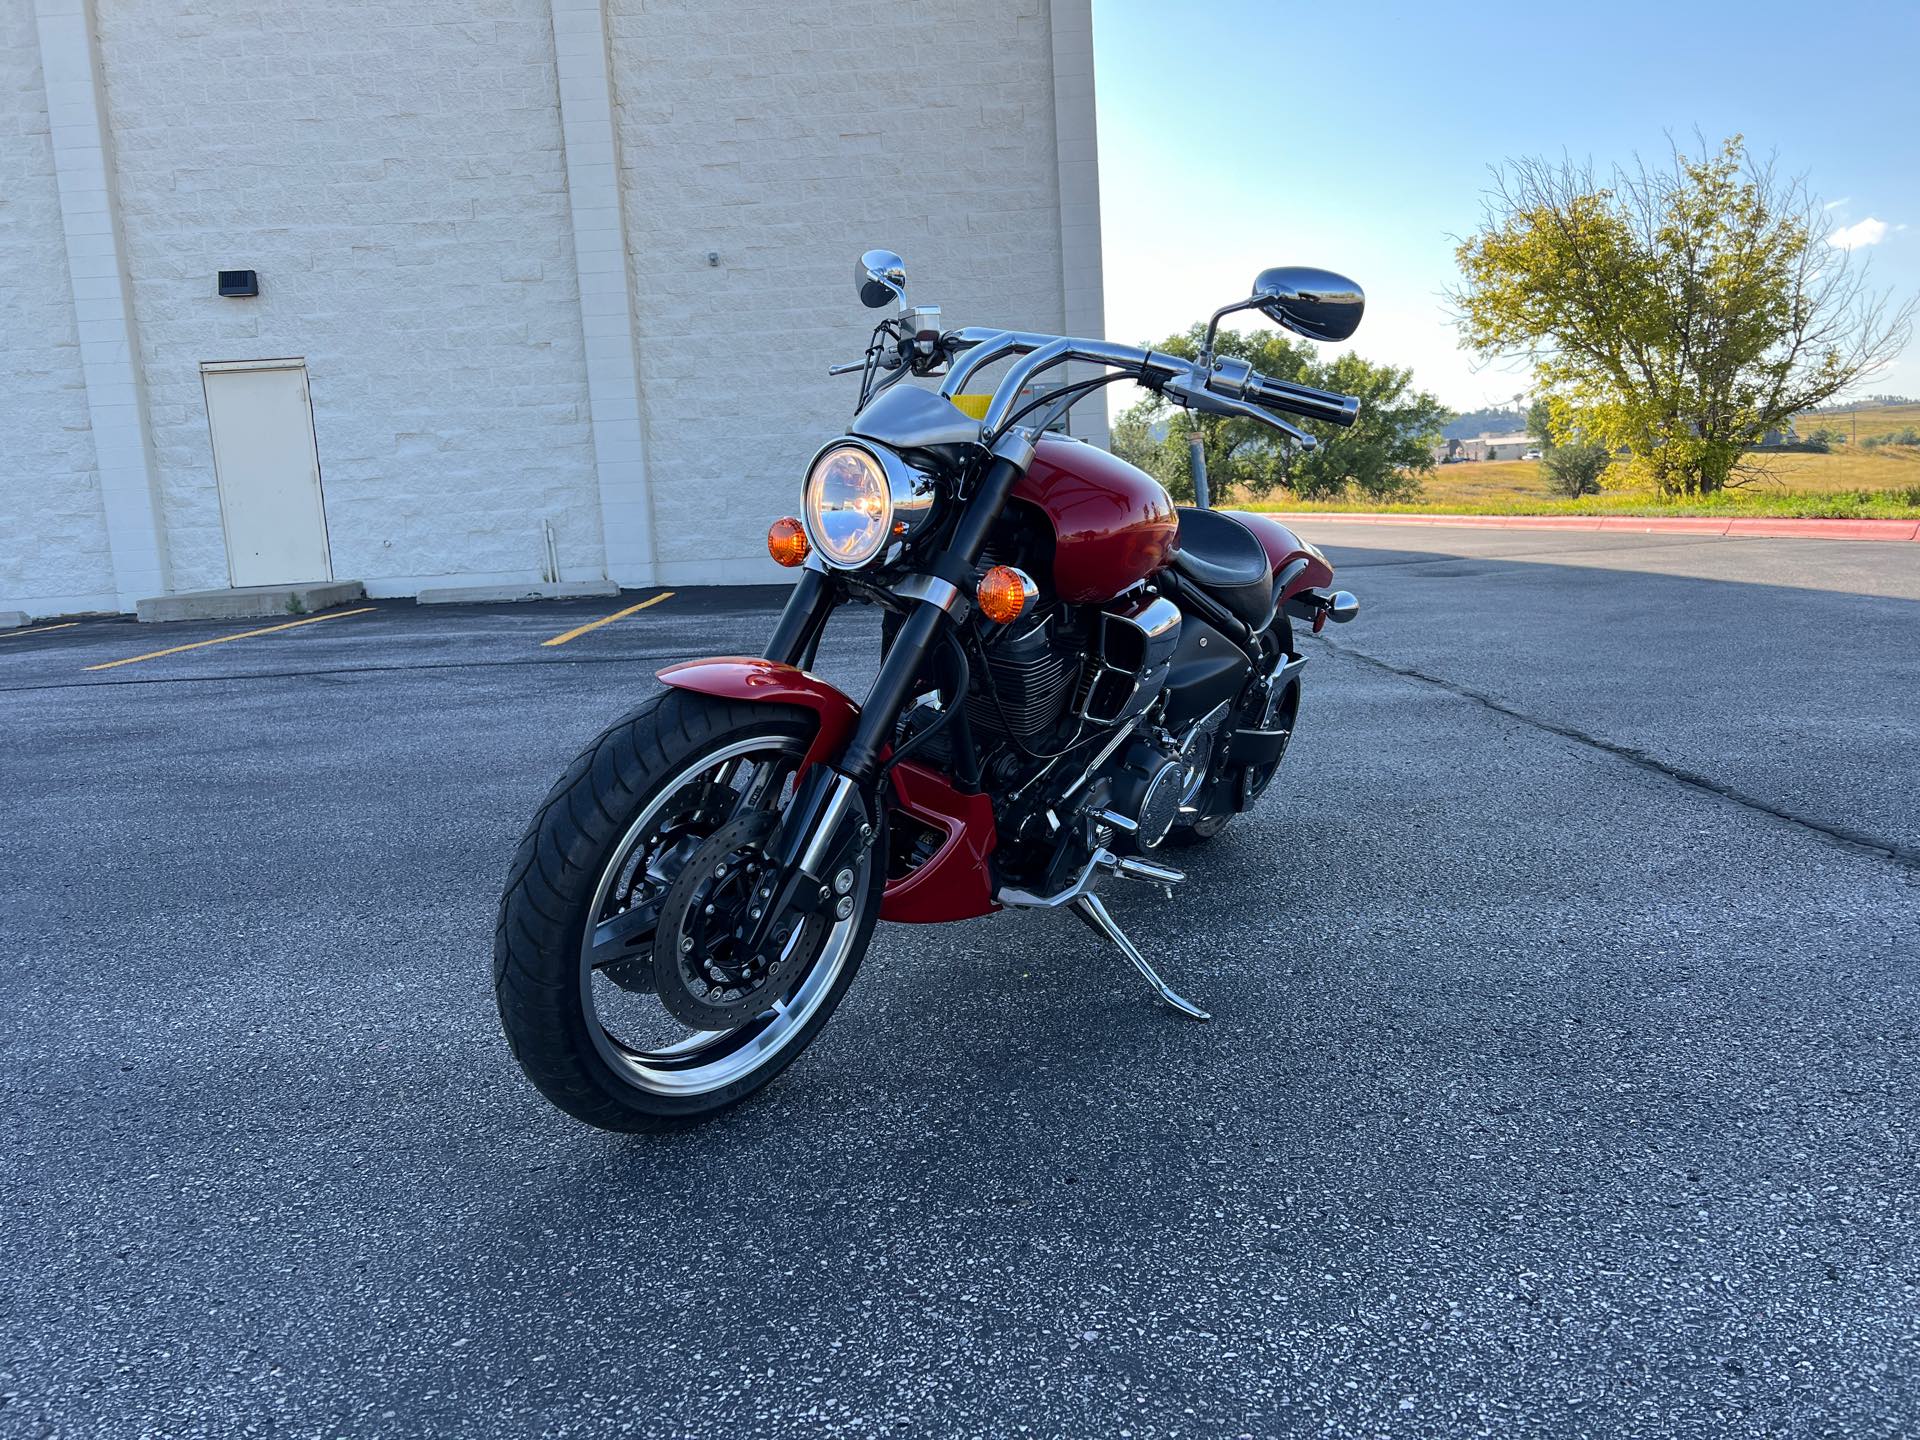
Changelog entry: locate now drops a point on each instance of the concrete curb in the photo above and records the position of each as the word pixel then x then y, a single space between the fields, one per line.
pixel 252 602
pixel 1750 526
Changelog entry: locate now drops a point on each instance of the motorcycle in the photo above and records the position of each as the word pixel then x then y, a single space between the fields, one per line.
pixel 1076 677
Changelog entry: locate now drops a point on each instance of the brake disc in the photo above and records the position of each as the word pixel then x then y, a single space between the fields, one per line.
pixel 701 970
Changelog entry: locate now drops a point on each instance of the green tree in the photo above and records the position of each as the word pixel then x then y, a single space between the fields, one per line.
pixel 1382 455
pixel 1540 420
pixel 1683 310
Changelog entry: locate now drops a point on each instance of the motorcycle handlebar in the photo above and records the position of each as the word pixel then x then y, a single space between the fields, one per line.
pixel 1234 384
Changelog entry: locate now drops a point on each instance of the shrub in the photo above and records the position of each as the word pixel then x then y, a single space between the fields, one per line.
pixel 1575 470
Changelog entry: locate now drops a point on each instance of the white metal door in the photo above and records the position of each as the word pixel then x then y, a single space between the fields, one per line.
pixel 268 471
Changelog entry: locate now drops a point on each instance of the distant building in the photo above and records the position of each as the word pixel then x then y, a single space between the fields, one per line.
pixel 1486 447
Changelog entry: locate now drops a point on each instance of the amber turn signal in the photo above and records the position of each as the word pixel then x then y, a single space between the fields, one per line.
pixel 787 541
pixel 1004 593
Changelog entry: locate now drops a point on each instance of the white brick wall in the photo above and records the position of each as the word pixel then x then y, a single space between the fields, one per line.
pixel 789 138
pixel 53 536
pixel 394 173
pixel 422 188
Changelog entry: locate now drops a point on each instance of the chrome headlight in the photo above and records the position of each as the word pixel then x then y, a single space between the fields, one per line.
pixel 860 497
pixel 848 506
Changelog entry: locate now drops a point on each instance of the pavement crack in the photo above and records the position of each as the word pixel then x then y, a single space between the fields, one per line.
pixel 1905 856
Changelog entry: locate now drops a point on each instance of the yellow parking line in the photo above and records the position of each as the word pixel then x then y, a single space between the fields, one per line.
pixel 578 631
pixel 243 635
pixel 38 629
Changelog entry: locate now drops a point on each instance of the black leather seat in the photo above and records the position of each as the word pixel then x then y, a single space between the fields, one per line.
pixel 1225 558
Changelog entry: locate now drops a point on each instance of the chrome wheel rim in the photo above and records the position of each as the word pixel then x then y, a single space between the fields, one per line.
pixel 671 1060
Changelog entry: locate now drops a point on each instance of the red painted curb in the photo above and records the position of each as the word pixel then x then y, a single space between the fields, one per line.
pixel 1749 526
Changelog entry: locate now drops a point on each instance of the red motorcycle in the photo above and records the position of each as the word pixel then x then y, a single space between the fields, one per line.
pixel 1075 676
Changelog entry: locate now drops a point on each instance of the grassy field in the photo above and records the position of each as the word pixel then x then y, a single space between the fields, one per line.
pixel 1850 482
pixel 1865 422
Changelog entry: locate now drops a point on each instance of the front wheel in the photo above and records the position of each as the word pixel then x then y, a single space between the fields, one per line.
pixel 655 834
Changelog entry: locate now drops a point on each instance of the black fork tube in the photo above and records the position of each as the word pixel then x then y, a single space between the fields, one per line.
pixel 920 631
pixel 797 636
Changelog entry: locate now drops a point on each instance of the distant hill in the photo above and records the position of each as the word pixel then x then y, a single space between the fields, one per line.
pixel 1495 420
pixel 1872 402
pixel 1864 420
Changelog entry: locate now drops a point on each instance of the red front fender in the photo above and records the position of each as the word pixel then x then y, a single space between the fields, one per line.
pixel 746 677
pixel 956 881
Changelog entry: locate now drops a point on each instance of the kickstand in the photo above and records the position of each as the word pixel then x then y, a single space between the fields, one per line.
pixel 1089 909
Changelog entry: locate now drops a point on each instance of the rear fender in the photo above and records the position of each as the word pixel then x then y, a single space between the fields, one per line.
pixel 747 677
pixel 1284 549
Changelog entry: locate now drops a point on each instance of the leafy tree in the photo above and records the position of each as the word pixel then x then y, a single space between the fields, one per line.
pixel 1382 455
pixel 1575 470
pixel 1492 420
pixel 1540 420
pixel 1683 310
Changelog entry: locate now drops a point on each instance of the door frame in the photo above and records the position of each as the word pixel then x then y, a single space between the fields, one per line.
pixel 285 362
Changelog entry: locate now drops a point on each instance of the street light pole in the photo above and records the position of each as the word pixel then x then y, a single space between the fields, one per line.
pixel 1197 456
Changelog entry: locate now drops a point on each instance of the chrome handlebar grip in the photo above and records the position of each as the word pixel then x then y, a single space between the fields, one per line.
pixel 1195 390
pixel 1327 405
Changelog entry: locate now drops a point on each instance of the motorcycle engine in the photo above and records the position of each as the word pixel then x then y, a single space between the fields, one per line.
pixel 1148 787
pixel 1032 670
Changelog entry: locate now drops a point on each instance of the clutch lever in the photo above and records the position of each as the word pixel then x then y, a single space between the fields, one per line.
pixel 888 361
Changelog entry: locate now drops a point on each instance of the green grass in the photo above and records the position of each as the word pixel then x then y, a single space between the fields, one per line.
pixel 1850 483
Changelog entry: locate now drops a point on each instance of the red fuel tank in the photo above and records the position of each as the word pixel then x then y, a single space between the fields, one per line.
pixel 1113 525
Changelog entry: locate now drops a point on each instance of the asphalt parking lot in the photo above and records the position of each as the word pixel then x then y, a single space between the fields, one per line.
pixel 1563 1081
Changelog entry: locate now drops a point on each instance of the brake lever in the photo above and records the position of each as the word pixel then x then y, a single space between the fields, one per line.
pixel 1191 391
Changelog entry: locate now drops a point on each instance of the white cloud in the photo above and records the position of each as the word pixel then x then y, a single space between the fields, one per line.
pixel 1866 232
pixel 1836 204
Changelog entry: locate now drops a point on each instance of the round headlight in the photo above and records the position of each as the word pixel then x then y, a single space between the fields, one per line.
pixel 849 506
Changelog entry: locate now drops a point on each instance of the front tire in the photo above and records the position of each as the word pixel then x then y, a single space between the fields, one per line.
pixel 572 961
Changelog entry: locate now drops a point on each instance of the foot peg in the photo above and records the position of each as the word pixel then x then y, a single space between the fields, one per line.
pixel 1089 909
pixel 1151 872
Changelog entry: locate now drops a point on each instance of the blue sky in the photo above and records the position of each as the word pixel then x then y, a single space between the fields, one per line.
pixel 1239 135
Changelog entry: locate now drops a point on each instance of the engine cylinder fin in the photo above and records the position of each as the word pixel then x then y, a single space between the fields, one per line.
pixel 1033 678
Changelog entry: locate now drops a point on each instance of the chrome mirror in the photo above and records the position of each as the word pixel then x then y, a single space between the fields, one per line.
pixel 1315 303
pixel 880 276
